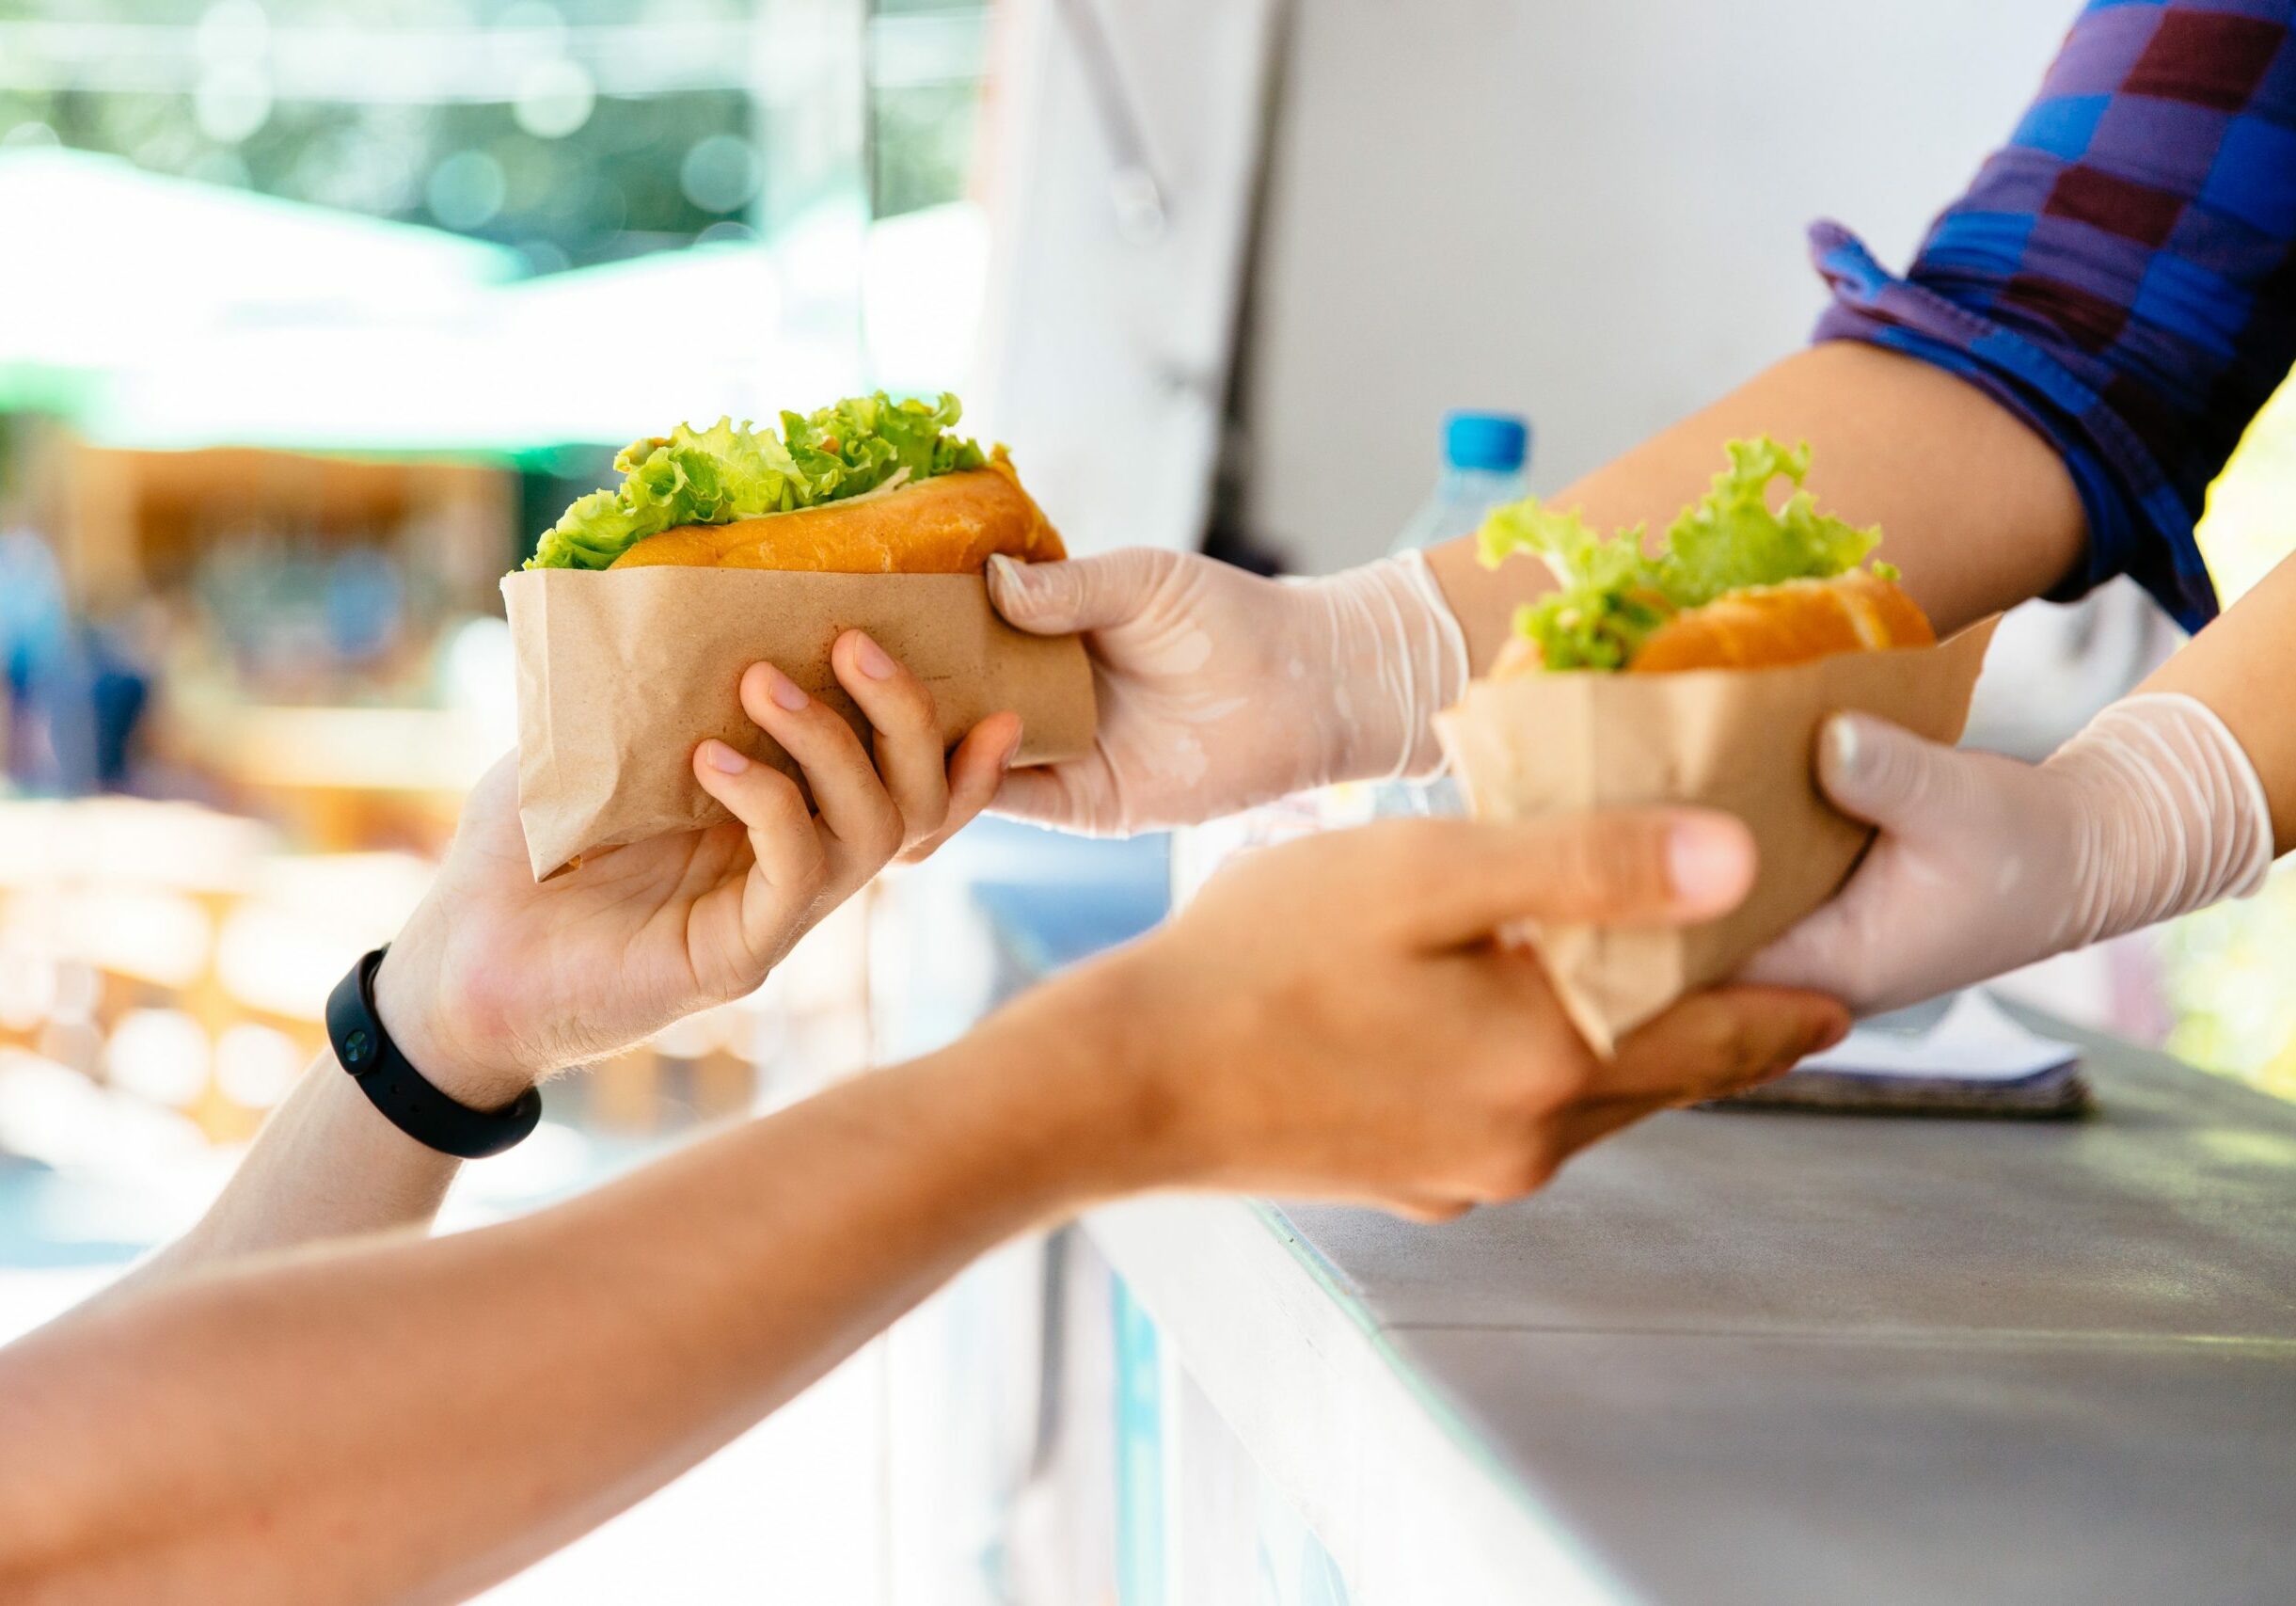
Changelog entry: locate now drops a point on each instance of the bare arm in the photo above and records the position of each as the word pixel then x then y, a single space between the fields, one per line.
pixel 2136 398
pixel 326 1165
pixel 394 1417
pixel 2242 666
pixel 1219 689
pixel 473 991
pixel 1977 510
pixel 2062 420
pixel 411 1418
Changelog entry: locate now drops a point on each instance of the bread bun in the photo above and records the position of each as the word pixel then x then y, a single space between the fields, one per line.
pixel 950 524
pixel 1772 625
pixel 1765 627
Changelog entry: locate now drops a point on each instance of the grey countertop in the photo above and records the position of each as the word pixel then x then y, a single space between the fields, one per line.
pixel 1781 1358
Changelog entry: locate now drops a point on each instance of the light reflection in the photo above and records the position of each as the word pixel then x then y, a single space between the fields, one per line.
pixel 159 1054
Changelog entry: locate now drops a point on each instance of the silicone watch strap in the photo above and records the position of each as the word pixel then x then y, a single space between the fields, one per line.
pixel 404 1096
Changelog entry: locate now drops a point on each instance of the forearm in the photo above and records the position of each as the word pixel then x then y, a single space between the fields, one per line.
pixel 1976 509
pixel 326 1164
pixel 2241 666
pixel 392 1418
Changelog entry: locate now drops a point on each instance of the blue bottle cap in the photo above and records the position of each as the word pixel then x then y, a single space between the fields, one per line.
pixel 1497 442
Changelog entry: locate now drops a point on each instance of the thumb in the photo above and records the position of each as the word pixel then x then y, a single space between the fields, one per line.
pixel 1080 797
pixel 1866 944
pixel 1886 775
pixel 1824 952
pixel 1460 881
pixel 1080 594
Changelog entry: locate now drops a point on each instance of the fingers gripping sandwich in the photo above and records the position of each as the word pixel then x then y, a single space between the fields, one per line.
pixel 1697 670
pixel 867 486
pixel 642 607
pixel 1733 586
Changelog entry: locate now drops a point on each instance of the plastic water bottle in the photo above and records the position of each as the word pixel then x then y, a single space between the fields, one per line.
pixel 1484 457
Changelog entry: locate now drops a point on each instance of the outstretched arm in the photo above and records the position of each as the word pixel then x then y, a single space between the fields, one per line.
pixel 1979 511
pixel 402 1418
pixel 1219 689
pixel 2038 405
pixel 497 981
pixel 396 1417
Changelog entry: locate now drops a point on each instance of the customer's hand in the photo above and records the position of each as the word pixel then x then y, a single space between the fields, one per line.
pixel 1219 689
pixel 1333 1017
pixel 498 980
pixel 1985 864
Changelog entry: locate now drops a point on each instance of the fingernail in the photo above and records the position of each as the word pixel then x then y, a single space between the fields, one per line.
pixel 1002 568
pixel 783 689
pixel 1841 744
pixel 722 757
pixel 1012 751
pixel 875 661
pixel 1705 865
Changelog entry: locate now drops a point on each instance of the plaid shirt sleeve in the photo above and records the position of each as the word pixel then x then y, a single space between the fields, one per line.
pixel 2122 274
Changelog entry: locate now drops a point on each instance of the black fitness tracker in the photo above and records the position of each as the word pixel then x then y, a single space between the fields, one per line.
pixel 404 1095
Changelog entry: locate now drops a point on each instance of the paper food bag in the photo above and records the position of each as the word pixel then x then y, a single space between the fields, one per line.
pixel 621 675
pixel 1736 740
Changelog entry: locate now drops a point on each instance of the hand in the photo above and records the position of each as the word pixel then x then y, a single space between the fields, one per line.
pixel 498 980
pixel 1219 689
pixel 1985 864
pixel 1333 1018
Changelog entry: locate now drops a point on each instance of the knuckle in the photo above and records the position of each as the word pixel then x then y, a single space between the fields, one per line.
pixel 811 868
pixel 799 879
pixel 1152 573
pixel 779 799
pixel 917 852
pixel 923 818
pixel 882 836
pixel 908 700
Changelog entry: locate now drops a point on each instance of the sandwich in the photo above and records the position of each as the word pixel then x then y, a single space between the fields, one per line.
pixel 870 513
pixel 1733 585
pixel 865 485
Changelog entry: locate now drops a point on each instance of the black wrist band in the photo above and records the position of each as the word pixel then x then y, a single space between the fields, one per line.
pixel 404 1095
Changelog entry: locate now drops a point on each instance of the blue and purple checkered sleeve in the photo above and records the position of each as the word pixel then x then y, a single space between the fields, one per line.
pixel 2122 274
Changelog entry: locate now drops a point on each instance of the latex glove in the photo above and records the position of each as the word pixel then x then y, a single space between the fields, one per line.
pixel 1219 689
pixel 1986 864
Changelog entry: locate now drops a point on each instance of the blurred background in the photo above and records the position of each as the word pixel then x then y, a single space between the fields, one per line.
pixel 313 314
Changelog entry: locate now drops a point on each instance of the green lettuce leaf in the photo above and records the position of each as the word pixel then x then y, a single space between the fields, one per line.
pixel 1613 594
pixel 729 471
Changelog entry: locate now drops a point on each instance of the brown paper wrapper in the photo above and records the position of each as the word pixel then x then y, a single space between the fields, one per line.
pixel 621 675
pixel 1735 739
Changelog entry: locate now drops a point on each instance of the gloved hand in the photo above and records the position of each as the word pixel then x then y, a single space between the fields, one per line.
pixel 1219 689
pixel 1985 864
